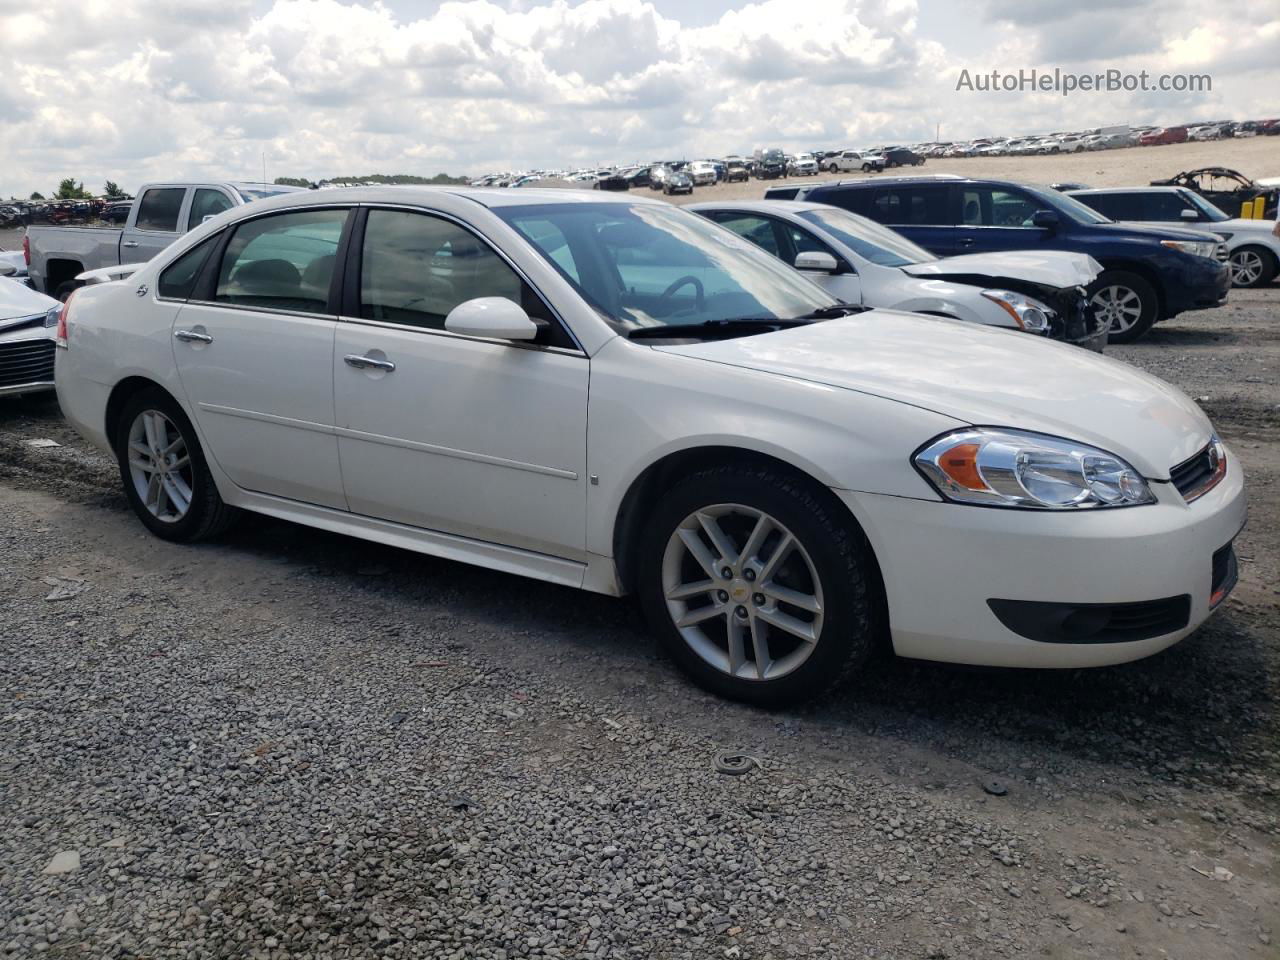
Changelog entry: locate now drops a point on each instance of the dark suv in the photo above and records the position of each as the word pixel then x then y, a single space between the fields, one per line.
pixel 1150 273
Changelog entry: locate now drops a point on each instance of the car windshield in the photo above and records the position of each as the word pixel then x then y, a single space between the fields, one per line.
pixel 1204 206
pixel 1069 206
pixel 868 239
pixel 647 265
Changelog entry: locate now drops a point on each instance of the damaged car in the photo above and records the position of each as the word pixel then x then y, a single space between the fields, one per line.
pixel 27 323
pixel 1225 188
pixel 863 262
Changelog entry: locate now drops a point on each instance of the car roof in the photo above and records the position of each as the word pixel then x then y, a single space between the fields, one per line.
pixel 1164 189
pixel 760 206
pixel 491 197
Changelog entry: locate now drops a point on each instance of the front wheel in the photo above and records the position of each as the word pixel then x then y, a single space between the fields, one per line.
pixel 166 478
pixel 756 585
pixel 1252 267
pixel 1126 302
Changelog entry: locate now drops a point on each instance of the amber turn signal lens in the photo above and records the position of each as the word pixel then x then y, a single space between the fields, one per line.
pixel 960 463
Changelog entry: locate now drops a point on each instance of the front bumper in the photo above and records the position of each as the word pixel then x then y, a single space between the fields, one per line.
pixel 943 562
pixel 1200 284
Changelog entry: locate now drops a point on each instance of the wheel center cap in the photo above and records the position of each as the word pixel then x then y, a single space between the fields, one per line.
pixel 739 590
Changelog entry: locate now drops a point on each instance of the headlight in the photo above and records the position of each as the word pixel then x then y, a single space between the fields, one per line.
pixel 1030 315
pixel 1196 248
pixel 1013 468
pixel 51 316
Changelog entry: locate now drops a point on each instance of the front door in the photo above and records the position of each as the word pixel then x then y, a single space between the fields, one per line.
pixel 480 438
pixel 255 354
pixel 153 224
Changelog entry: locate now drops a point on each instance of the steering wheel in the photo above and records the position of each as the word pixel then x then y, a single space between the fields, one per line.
pixel 699 296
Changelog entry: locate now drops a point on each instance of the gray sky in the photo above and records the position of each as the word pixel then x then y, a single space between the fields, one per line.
pixel 131 90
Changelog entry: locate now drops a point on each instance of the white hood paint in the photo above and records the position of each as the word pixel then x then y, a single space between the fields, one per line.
pixel 19 300
pixel 1055 268
pixel 983 376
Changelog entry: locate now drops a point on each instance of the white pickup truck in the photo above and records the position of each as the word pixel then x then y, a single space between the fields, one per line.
pixel 162 212
pixel 847 160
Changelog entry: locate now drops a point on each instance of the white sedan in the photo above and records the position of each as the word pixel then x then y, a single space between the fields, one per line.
pixel 615 394
pixel 864 262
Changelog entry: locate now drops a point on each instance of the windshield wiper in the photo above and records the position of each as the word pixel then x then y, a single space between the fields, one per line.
pixel 839 310
pixel 730 327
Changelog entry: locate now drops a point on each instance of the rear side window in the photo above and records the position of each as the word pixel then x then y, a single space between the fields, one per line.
pixel 179 278
pixel 206 203
pixel 158 209
pixel 282 262
pixel 910 206
pixel 1117 206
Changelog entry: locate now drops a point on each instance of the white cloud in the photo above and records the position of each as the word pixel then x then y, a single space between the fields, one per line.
pixel 131 90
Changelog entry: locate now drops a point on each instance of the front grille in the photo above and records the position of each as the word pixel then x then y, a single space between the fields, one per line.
pixel 26 361
pixel 1197 476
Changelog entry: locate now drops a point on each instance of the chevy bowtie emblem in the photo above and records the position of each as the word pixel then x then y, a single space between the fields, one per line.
pixel 142 290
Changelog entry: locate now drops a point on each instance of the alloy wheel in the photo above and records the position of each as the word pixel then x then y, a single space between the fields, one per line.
pixel 1120 306
pixel 160 466
pixel 742 591
pixel 1246 267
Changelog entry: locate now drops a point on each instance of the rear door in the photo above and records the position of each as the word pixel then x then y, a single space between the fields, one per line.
pixel 153 223
pixel 254 349
pixel 923 212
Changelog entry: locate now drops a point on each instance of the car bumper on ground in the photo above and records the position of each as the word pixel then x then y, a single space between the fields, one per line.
pixel 957 576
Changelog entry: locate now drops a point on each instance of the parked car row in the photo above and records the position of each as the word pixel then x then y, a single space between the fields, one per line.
pixel 648 400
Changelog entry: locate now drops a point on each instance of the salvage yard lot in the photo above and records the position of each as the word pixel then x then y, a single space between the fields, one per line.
pixel 289 743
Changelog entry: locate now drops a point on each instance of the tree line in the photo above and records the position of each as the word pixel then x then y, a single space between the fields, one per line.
pixel 72 189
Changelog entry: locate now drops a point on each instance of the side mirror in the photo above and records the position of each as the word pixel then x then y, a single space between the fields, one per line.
pixel 495 317
pixel 817 261
pixel 7 269
pixel 1045 219
pixel 1189 214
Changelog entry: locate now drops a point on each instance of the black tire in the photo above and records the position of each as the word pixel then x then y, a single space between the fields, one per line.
pixel 66 289
pixel 207 515
pixel 1264 257
pixel 850 585
pixel 1122 280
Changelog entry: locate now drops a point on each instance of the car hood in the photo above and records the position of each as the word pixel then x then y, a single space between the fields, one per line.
pixel 983 376
pixel 1157 232
pixel 1054 268
pixel 19 300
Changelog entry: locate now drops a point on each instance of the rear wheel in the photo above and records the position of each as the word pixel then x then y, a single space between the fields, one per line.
pixel 66 289
pixel 1252 267
pixel 1126 302
pixel 165 475
pixel 757 588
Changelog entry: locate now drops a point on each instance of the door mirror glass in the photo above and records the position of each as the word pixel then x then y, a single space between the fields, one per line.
pixel 1046 219
pixel 495 317
pixel 817 261
pixel 1189 214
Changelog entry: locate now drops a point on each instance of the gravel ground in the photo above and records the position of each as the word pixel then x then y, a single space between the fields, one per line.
pixel 293 744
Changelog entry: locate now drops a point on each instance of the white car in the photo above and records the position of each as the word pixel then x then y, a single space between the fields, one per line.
pixel 848 160
pixel 802 165
pixel 1253 246
pixel 863 262
pixel 27 322
pixel 611 393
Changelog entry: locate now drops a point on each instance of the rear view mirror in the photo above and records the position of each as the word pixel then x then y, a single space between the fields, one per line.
pixel 1045 219
pixel 495 317
pixel 817 261
pixel 1189 214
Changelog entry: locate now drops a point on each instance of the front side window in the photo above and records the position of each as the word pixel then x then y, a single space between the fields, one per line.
pixel 869 240
pixel 644 265
pixel 179 278
pixel 995 207
pixel 282 262
pixel 759 230
pixel 206 203
pixel 158 209
pixel 415 268
pixel 1161 206
pixel 1194 201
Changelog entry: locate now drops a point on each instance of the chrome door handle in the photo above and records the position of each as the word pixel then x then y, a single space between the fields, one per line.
pixel 129 243
pixel 363 363
pixel 190 336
